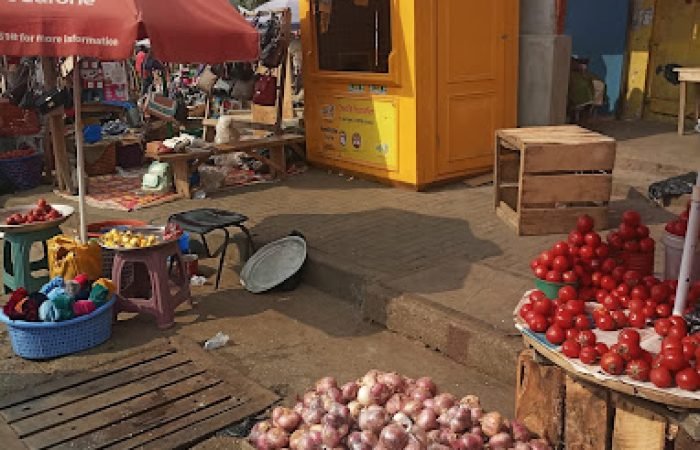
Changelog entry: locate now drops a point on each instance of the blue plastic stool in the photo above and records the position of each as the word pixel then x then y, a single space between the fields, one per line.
pixel 17 268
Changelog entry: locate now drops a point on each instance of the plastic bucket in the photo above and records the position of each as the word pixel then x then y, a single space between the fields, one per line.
pixel 641 262
pixel 673 246
pixel 191 263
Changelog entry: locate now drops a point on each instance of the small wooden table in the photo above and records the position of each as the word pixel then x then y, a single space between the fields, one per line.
pixel 275 143
pixel 685 76
pixel 181 169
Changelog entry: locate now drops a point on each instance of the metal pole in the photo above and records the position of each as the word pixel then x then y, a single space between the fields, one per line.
pixel 691 240
pixel 77 107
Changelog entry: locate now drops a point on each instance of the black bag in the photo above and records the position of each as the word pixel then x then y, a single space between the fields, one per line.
pixel 181 112
pixel 242 71
pixel 19 86
pixel 272 47
pixel 52 100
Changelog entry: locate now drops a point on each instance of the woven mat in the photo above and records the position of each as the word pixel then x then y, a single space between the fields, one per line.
pixel 121 193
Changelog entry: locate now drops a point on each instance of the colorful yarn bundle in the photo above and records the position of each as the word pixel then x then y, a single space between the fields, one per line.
pixel 24 306
pixel 102 290
pixel 83 307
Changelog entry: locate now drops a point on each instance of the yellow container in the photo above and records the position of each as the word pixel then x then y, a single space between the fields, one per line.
pixel 408 91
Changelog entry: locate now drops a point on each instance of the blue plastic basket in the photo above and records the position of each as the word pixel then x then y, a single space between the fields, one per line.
pixel 23 173
pixel 44 340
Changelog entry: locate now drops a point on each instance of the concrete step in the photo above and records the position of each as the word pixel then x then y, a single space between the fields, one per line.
pixel 472 327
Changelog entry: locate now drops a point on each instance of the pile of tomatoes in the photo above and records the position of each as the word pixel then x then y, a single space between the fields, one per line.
pixel 679 226
pixel 18 153
pixel 43 212
pixel 632 235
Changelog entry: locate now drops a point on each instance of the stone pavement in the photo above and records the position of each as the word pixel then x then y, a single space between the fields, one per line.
pixel 437 266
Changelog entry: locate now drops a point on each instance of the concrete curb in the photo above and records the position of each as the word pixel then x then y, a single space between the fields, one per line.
pixel 465 339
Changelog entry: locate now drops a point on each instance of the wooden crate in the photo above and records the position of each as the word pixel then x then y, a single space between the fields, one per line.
pixel 576 414
pixel 545 177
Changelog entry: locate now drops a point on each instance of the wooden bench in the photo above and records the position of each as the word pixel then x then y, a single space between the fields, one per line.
pixel 275 143
pixel 180 162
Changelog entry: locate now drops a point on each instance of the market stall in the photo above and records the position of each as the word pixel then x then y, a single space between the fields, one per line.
pixel 605 335
pixel 409 92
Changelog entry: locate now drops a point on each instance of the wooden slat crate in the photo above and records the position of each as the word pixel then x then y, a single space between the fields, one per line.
pixel 545 177
pixel 575 414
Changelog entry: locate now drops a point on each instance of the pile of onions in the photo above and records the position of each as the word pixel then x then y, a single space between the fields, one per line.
pixel 387 411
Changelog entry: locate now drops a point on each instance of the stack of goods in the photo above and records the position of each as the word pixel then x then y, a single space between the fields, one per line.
pixel 615 315
pixel 389 411
pixel 59 300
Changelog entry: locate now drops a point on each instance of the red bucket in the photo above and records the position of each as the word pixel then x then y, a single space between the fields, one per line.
pixel 191 263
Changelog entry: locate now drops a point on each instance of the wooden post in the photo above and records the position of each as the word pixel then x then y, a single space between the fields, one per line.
pixel 681 108
pixel 286 37
pixel 58 130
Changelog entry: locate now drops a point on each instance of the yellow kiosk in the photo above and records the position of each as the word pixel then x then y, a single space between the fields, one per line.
pixel 408 91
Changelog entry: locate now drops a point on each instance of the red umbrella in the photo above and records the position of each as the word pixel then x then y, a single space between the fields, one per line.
pixel 210 31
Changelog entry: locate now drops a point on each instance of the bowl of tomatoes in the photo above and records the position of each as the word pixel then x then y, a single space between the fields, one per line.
pixel 27 218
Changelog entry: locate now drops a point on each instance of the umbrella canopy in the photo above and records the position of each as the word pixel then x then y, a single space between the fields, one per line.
pixel 103 29
pixel 202 31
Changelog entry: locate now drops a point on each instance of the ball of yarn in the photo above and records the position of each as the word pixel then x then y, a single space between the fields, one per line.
pixel 49 313
pixel 56 292
pixel 82 280
pixel 83 307
pixel 54 283
pixel 72 288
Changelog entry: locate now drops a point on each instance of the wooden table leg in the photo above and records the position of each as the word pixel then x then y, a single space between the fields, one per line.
pixel 181 176
pixel 278 157
pixel 681 110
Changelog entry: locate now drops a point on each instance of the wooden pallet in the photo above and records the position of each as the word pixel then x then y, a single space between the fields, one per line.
pixel 171 396
pixel 545 177
pixel 574 413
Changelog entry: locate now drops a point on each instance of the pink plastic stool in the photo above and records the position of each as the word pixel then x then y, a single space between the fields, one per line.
pixel 169 284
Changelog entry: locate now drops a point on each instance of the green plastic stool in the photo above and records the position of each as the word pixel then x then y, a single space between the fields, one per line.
pixel 17 268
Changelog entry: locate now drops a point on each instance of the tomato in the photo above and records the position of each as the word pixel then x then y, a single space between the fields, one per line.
pixel 588 355
pixel 567 293
pixel 689 349
pixel 642 231
pixel 564 319
pixel 647 245
pixel 639 291
pixel 555 335
pixel 636 305
pixel 602 251
pixel 575 307
pixel 661 326
pixel 615 240
pixel 627 232
pixel 526 308
pixel 587 252
pixel 677 321
pixel 678 330
pixel 607 265
pixel 697 357
pixel 631 217
pixel 688 379
pixel 569 277
pixel 612 363
pixel 671 343
pixel 592 239
pixel 601 348
pixel 572 334
pixel 543 306
pixel 637 319
pixel 649 311
pixel 553 276
pixel 586 338
pixel 559 303
pixel 631 246
pixel 611 303
pixel 571 349
pixel 629 335
pixel 660 292
pixel 585 223
pixel 632 278
pixel 575 238
pixel 582 322
pixel 661 377
pixel 608 283
pixel 673 360
pixel 600 295
pixel 536 295
pixel 625 301
pixel 629 350
pixel 560 264
pixel 587 293
pixel 663 310
pixel 638 369
pixel 605 322
pixel 620 319
pixel 618 273
pixel 561 249
pixel 538 323
pixel 546 258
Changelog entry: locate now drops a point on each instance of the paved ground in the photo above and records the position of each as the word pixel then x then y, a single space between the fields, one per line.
pixel 437 266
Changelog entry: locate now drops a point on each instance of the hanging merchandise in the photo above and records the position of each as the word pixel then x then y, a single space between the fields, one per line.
pixel 93 80
pixel 207 80
pixel 265 90
pixel 21 84
pixel 272 43
pixel 116 83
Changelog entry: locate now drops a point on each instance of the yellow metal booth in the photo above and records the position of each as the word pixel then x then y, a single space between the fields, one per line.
pixel 408 91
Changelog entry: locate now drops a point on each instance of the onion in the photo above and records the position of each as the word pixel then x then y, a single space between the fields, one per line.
pixel 277 438
pixel 295 437
pixel 311 440
pixel 476 429
pixel 433 436
pixel 286 419
pixel 429 403
pixel 477 414
pixel 354 408
pixel 522 446
pixel 335 394
pixel 403 420
pixel 312 416
pixel 427 384
pixel 412 407
pixel 438 447
pixel 393 437
pixel 520 431
pixel 420 394
pixel 395 403
pixel 500 441
pixel 299 407
pixel 340 410
pixel 539 444
pixel 326 383
pixel 330 436
pixel 380 393
pixel 393 380
pixel 355 442
pixel 258 430
pixel 443 402
pixel 427 420
pixel 364 395
pixel 349 391
pixel 370 378
pixel 309 397
pixel 447 437
pixel 373 418
pixel 333 420
pixel 491 423
pixel 472 441
pixel 471 401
